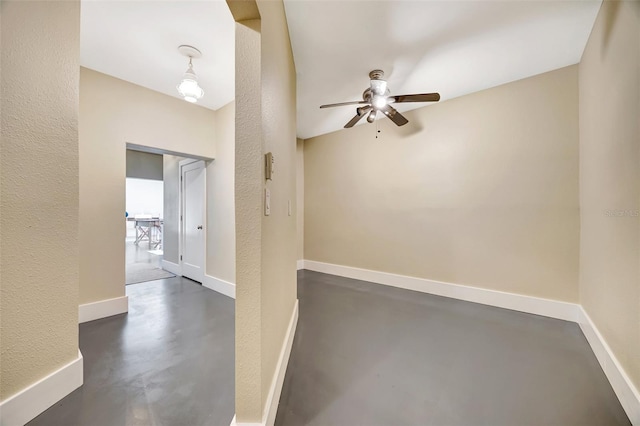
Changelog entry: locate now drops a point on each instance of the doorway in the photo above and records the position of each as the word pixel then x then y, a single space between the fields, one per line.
pixel 144 206
pixel 169 240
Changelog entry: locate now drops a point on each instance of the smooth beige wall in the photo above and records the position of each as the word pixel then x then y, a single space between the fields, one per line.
pixel 221 237
pixel 113 113
pixel 300 197
pixel 480 190
pixel 221 221
pixel 39 192
pixel 171 207
pixel 610 180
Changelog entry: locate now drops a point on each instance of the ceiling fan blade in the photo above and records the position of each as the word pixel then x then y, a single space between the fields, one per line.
pixel 360 112
pixel 344 103
pixel 423 97
pixel 394 115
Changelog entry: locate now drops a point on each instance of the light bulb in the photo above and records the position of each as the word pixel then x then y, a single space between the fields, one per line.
pixel 189 88
pixel 372 116
pixel 379 102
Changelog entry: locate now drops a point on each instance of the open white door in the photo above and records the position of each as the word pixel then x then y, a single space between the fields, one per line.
pixel 193 220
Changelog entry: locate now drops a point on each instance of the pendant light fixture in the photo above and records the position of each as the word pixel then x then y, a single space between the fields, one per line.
pixel 189 88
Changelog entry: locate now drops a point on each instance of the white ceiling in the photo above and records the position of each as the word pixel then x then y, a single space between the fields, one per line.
pixel 138 41
pixel 447 46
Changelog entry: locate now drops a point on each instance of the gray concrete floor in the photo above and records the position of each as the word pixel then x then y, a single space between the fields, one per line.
pixel 363 354
pixel 140 254
pixel 169 361
pixel 366 354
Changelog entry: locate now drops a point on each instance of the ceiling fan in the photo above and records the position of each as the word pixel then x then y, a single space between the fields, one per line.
pixel 376 99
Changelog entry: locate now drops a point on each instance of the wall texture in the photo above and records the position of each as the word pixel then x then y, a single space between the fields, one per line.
pixel 610 180
pixel 265 245
pixel 481 190
pixel 144 165
pixel 249 177
pixel 279 280
pixel 221 221
pixel 300 197
pixel 39 190
pixel 112 114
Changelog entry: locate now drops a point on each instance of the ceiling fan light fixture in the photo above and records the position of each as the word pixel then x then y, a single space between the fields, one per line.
pixel 189 88
pixel 376 98
pixel 379 101
pixel 379 87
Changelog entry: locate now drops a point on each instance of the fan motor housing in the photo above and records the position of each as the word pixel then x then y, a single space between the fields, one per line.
pixel 376 75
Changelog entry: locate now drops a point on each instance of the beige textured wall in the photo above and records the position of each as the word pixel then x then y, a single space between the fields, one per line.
pixel 112 114
pixel 279 291
pixel 171 207
pixel 39 190
pixel 480 190
pixel 249 177
pixel 300 197
pixel 610 180
pixel 221 221
pixel 265 246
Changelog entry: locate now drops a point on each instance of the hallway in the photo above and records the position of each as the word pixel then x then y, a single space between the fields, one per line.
pixel 170 361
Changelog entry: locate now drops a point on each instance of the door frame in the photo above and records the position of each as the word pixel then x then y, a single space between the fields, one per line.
pixel 181 234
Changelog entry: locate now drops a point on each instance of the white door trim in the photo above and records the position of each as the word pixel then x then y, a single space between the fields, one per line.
pixel 182 164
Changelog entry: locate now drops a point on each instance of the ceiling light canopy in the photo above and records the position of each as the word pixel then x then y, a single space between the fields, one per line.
pixel 189 88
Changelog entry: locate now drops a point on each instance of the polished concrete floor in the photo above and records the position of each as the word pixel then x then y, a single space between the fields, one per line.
pixel 169 361
pixel 366 354
pixel 141 264
pixel 363 354
pixel 139 253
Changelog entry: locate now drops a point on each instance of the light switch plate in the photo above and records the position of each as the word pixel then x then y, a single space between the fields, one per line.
pixel 269 163
pixel 267 202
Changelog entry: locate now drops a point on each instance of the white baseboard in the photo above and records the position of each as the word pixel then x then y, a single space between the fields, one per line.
pixel 102 309
pixel 235 423
pixel 221 286
pixel 174 268
pixel 620 382
pixel 271 406
pixel 35 399
pixel 275 390
pixel 517 302
pixel 300 264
